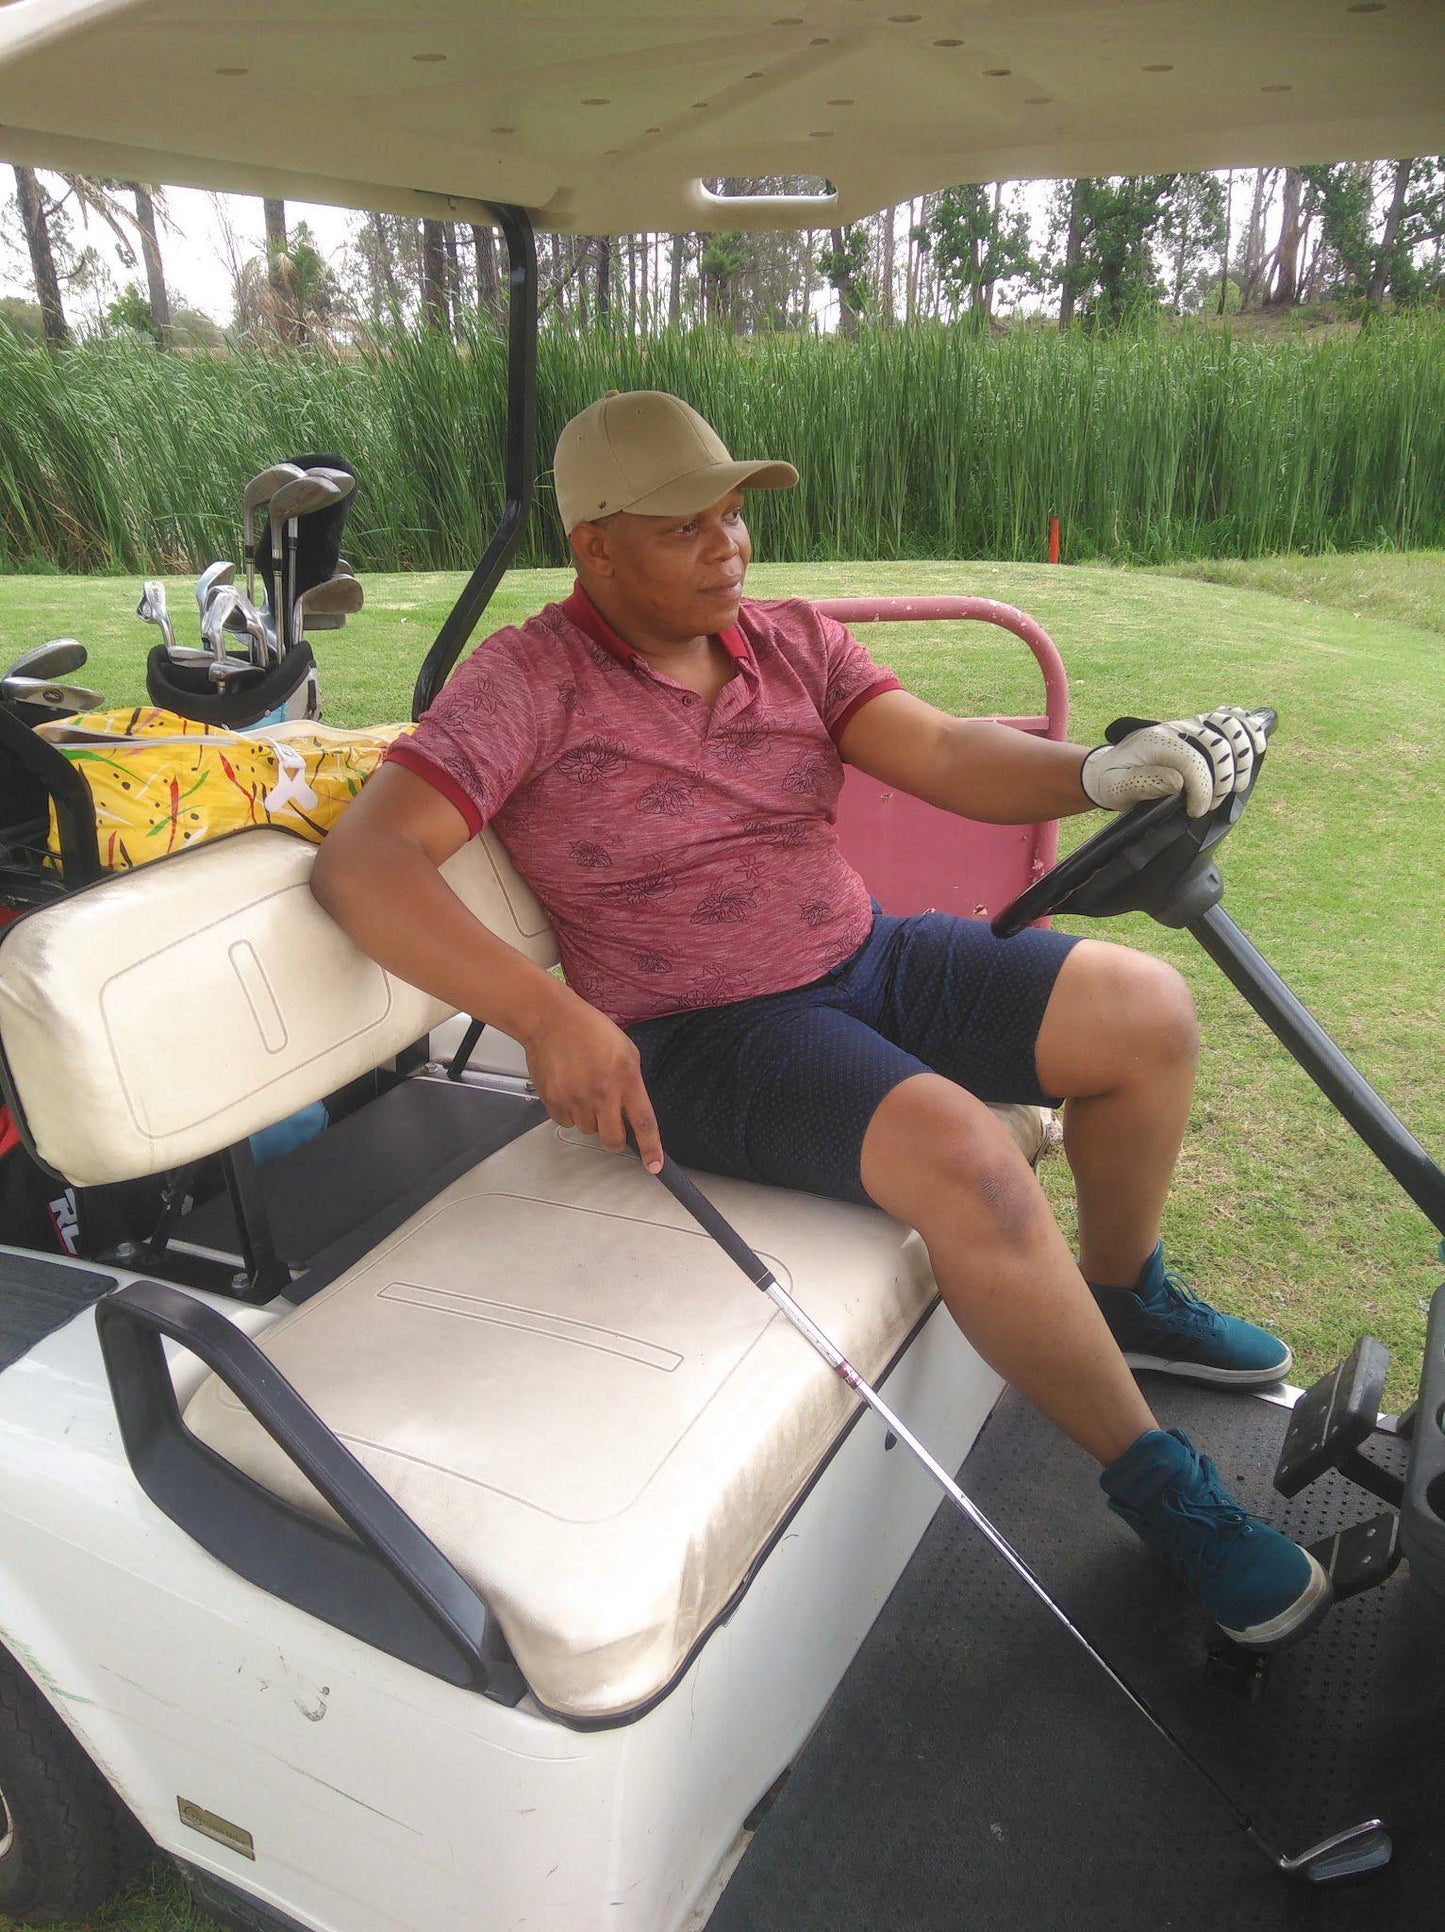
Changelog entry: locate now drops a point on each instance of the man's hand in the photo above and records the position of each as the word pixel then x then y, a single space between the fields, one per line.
pixel 588 1075
pixel 1207 757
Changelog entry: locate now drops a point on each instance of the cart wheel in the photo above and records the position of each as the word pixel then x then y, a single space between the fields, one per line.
pixel 65 1840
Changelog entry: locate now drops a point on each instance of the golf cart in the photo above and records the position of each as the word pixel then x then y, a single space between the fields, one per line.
pixel 436 1529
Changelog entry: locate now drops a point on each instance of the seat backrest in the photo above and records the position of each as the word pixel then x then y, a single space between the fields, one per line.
pixel 914 856
pixel 166 1013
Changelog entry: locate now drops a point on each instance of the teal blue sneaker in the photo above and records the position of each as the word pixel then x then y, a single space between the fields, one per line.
pixel 1160 1324
pixel 1260 1588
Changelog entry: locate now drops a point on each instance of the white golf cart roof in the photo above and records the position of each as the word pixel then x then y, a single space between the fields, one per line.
pixel 607 119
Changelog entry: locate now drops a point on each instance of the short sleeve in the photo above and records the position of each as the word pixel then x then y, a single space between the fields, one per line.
pixel 478 741
pixel 851 676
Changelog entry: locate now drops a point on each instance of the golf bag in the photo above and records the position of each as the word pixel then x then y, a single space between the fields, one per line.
pixel 287 691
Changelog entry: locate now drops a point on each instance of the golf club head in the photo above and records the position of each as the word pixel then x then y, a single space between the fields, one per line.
pixel 260 490
pixel 152 608
pixel 1362 1848
pixel 210 580
pixel 57 659
pixel 213 624
pixel 263 486
pixel 327 606
pixel 308 492
pixel 343 479
pixel 248 619
pixel 43 694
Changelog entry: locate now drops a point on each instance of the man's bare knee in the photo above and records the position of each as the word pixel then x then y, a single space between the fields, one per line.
pixel 935 1156
pixel 1114 1012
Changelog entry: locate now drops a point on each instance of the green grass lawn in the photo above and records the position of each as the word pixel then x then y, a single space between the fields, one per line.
pixel 1277 1212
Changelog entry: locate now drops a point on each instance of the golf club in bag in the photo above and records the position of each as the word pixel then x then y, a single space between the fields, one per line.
pixel 1360 1848
pixel 293 515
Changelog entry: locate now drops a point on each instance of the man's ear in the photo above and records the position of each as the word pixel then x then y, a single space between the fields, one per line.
pixel 590 549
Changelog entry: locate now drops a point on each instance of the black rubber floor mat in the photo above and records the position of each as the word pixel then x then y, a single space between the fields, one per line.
pixel 976 1770
pixel 38 1296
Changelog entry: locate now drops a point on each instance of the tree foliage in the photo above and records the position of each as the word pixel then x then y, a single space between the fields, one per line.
pixel 978 240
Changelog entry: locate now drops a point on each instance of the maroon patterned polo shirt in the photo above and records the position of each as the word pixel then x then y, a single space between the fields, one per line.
pixel 685 856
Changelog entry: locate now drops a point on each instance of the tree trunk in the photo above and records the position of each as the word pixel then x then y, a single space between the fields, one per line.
pixel 604 279
pixel 42 259
pixel 433 276
pixel 1383 272
pixel 489 294
pixel 454 278
pixel 1072 250
pixel 145 221
pixel 1224 262
pixel 1253 267
pixel 847 314
pixel 676 264
pixel 885 270
pixel 1285 292
pixel 276 255
pixel 385 260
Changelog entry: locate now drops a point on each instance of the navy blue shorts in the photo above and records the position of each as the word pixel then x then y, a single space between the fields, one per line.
pixel 782 1088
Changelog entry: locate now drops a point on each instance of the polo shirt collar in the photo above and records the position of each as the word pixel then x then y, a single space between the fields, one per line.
pixel 580 608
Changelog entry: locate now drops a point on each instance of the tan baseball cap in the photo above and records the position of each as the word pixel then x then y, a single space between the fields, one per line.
pixel 646 451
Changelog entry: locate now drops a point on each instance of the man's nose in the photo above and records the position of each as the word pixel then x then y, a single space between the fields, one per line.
pixel 723 541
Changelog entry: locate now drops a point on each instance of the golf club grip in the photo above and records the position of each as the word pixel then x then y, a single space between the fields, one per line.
pixel 685 1191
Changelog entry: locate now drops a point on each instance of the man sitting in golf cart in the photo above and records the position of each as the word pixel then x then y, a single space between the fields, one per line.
pixel 662 759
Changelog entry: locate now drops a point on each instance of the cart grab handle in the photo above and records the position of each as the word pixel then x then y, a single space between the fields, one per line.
pixel 387 1583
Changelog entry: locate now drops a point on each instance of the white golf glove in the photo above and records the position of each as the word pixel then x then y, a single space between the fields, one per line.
pixel 1206 757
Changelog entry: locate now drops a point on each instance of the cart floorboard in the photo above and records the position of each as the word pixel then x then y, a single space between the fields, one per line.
pixel 975 1771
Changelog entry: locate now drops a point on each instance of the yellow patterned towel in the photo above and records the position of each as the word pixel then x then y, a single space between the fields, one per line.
pixel 160 781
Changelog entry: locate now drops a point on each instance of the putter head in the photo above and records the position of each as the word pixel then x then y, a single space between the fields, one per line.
pixel 1362 1848
pixel 210 580
pixel 57 659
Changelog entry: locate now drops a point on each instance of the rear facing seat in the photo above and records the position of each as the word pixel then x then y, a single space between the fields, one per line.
pixel 553 1371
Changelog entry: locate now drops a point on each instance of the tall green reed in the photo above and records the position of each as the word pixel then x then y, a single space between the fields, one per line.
pixel 921 442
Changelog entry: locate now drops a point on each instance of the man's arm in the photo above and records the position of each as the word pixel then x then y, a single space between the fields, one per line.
pixel 985 771
pixel 377 874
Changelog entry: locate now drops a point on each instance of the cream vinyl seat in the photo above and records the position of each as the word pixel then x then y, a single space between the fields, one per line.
pixel 564 1383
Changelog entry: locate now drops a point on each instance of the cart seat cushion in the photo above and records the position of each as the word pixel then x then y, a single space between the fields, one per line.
pixel 582 1401
pixel 166 1013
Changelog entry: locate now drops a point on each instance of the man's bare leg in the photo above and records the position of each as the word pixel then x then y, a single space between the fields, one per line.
pixel 938 1159
pixel 1119 1039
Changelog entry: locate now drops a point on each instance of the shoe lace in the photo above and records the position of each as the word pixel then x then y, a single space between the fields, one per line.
pixel 1184 1306
pixel 1220 1521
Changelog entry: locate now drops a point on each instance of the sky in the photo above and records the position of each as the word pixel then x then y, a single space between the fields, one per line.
pixel 196 245
pixel 194 249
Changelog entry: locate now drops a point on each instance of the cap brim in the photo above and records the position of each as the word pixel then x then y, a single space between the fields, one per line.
pixel 698 488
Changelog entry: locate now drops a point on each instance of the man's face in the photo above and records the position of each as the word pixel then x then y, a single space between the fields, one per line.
pixel 673 578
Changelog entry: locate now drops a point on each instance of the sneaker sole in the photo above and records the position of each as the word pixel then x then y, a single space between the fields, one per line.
pixel 1308 1608
pixel 1212 1377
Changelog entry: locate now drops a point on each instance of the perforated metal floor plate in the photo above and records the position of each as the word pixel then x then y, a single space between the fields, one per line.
pixel 976 1770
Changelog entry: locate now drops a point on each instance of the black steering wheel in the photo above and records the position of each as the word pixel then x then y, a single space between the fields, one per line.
pixel 1152 858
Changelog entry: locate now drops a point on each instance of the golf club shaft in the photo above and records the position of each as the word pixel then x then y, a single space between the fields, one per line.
pixel 686 1192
